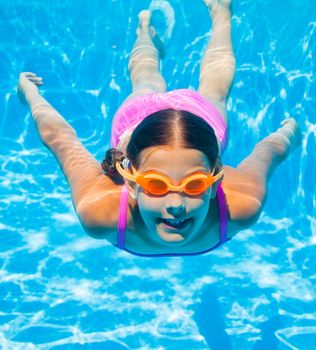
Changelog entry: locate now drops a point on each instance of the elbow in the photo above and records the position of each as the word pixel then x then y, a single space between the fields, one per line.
pixel 49 131
pixel 280 147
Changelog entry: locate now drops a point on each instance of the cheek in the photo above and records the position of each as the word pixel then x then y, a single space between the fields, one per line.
pixel 198 206
pixel 200 201
pixel 148 205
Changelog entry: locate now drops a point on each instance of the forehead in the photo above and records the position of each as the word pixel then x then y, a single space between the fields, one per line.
pixel 173 161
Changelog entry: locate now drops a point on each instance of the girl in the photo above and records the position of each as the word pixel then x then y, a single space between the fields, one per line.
pixel 162 189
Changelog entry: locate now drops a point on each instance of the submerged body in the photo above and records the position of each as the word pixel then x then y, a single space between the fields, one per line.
pixel 229 205
pixel 141 225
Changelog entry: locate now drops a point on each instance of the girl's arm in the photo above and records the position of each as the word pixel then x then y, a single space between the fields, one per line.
pixel 258 167
pixel 46 118
pixel 272 150
pixel 84 174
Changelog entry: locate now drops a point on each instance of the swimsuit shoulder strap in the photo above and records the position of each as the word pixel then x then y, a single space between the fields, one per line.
pixel 223 213
pixel 122 218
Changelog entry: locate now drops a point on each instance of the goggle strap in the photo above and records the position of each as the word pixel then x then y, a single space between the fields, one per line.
pixel 218 176
pixel 124 173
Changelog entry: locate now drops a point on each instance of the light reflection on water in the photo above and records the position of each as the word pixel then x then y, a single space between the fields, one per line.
pixel 60 289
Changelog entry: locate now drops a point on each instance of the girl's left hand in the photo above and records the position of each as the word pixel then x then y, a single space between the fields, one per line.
pixel 28 85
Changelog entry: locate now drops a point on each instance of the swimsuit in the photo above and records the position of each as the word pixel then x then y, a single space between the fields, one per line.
pixel 133 111
pixel 122 222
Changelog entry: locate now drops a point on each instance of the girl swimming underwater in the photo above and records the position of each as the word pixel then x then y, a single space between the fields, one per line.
pixel 162 189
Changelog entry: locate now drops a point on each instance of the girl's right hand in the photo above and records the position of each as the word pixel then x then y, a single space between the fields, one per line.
pixel 28 85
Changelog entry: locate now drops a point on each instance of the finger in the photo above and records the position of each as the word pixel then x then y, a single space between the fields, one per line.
pixel 33 79
pixel 287 120
pixel 28 74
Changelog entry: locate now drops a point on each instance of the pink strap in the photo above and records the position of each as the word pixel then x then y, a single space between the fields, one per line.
pixel 122 220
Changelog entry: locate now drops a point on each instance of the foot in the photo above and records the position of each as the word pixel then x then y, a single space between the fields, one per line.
pixel 157 41
pixel 144 19
pixel 214 3
pixel 143 28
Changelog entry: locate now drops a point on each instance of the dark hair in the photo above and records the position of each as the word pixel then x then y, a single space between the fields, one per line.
pixel 168 127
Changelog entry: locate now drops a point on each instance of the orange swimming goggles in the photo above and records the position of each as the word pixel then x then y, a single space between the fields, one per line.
pixel 158 184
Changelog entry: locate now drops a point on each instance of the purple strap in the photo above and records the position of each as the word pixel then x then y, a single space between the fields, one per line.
pixel 223 214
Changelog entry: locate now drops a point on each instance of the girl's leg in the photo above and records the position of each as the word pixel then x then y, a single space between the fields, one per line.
pixel 144 60
pixel 144 66
pixel 218 63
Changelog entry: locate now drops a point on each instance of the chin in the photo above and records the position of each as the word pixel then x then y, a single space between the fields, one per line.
pixel 176 238
pixel 171 238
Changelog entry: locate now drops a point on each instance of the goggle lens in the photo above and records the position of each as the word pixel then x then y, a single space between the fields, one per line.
pixel 159 187
pixel 158 184
pixel 156 187
pixel 195 187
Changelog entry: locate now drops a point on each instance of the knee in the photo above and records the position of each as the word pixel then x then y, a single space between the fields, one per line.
pixel 145 60
pixel 214 91
pixel 224 65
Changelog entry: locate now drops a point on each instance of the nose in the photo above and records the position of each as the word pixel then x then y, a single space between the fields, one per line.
pixel 175 211
pixel 175 204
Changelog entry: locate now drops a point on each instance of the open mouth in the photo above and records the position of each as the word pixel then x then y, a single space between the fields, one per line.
pixel 174 226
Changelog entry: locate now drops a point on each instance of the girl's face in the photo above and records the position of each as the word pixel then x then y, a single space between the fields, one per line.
pixel 177 164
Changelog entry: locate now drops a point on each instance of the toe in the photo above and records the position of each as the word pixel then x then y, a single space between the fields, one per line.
pixel 144 16
pixel 152 31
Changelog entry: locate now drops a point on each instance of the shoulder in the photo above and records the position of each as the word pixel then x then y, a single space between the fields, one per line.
pixel 242 199
pixel 100 212
pixel 98 207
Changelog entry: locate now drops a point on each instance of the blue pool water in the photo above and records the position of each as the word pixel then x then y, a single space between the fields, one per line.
pixel 59 288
